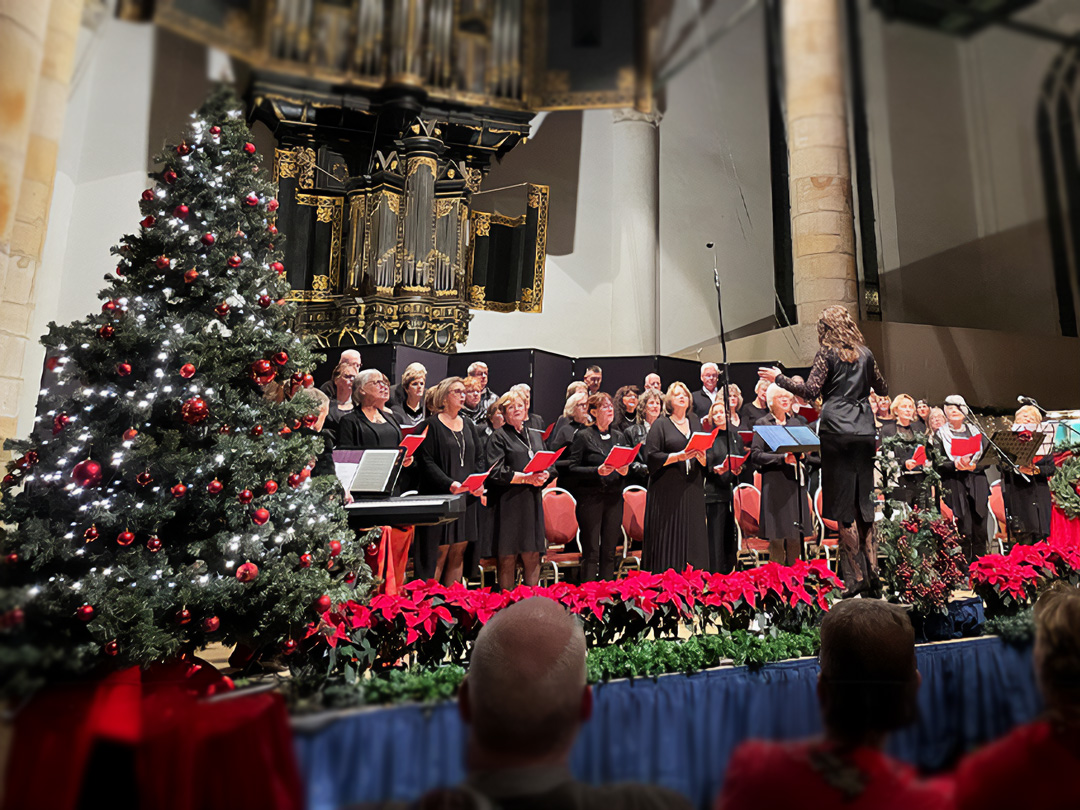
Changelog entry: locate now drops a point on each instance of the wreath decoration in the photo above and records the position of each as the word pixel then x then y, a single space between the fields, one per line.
pixel 1065 485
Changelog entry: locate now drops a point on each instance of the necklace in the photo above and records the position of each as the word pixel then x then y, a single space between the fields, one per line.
pixel 459 440
pixel 523 441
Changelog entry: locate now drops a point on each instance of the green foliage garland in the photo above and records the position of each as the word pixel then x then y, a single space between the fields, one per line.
pixel 1064 484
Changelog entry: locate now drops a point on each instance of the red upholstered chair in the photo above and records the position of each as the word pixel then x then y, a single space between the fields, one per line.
pixel 830 532
pixel 561 531
pixel 997 509
pixel 757 480
pixel 746 501
pixel 633 528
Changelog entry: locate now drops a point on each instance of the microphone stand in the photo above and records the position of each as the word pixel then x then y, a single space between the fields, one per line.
pixel 725 381
pixel 1016 469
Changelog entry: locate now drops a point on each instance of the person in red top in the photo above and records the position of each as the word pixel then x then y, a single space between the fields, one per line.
pixel 866 689
pixel 1036 765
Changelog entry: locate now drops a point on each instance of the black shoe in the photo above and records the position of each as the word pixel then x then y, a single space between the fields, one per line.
pixel 851 591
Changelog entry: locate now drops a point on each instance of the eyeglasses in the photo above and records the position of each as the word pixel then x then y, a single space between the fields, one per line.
pixel 460 392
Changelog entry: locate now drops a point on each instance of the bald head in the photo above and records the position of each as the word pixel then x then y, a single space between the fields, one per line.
pixel 350 357
pixel 526 682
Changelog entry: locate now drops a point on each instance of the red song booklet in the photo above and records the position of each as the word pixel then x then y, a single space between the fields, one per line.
pixel 965 447
pixel 732 463
pixel 919 456
pixel 701 441
pixel 411 442
pixel 542 460
pixel 621 456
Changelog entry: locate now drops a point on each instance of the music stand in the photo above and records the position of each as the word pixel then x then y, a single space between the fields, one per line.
pixel 369 473
pixel 1021 446
pixel 798 440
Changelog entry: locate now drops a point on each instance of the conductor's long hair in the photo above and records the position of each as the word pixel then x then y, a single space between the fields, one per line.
pixel 838 331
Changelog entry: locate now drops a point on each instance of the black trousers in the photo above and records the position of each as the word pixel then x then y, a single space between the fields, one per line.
pixel 599 516
pixel 723 544
pixel 425 555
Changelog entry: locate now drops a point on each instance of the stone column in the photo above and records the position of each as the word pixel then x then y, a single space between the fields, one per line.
pixel 635 293
pixel 822 222
pixel 37 55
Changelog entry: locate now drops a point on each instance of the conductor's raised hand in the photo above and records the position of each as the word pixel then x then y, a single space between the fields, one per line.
pixel 769 373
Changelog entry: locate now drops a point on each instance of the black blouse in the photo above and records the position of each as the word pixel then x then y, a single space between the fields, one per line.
pixel 587 452
pixel 845 391
pixel 357 432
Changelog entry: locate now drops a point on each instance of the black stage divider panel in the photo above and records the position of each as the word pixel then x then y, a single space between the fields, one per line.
pixel 618 371
pixel 551 374
pixel 675 369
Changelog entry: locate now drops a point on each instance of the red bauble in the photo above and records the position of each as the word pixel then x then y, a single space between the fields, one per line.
pixel 308 381
pixel 191 275
pixel 249 148
pixel 222 309
pixel 235 261
pixel 210 624
pixel 305 474
pixel 305 560
pixel 263 372
pixel 289 647
pixel 169 177
pixel 260 516
pixel 144 479
pixel 208 239
pixel 182 616
pixel 13 618
pixel 8 480
pixel 323 603
pixel 272 228
pixel 59 422
pixel 195 410
pixel 179 490
pixel 214 487
pixel 264 301
pixel 247 572
pixel 109 306
pixel 245 496
pixel 278 268
pixel 224 429
pixel 297 378
pixel 187 371
pixel 215 130
pixel 130 434
pixel 106 332
pixel 350 577
pixel 310 419
pixel 252 200
pixel 147 221
pixel 183 149
pixel 125 538
pixel 270 487
pixel 87 473
pixel 281 358
pixel 123 369
pixel 112 648
pixel 257 430
pixel 85 613
pixel 53 362
pixel 154 544
pixel 271 204
pixel 335 548
pixel 285 430
pixel 295 480
pixel 12 558
pixel 161 262
pixel 121 270
pixel 28 461
pixel 181 211
pixel 148 195
pixel 91 534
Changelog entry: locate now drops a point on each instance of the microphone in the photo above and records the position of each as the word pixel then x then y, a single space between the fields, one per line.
pixel 709 245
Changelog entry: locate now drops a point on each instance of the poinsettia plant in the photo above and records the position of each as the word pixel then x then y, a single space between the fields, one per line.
pixel 1009 583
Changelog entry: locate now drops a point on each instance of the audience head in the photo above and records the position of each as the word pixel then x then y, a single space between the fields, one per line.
pixel 903 408
pixel 601 409
pixel 495 417
pixel 473 391
pixel 577 408
pixel 955 409
pixel 576 387
pixel 837 330
pixel 626 403
pixel 1027 415
pixel 448 396
pixel 319 404
pixel 710 376
pixel 1057 650
pixel 480 371
pixel 372 389
pixel 650 405
pixel 413 380
pixel 534 648
pixel 594 375
pixel 513 410
pixel 677 400
pixel 717 416
pixel 350 357
pixel 734 395
pixel 936 419
pixel 759 393
pixel 778 399
pixel 868 680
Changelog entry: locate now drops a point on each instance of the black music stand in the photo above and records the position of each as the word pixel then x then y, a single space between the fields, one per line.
pixel 798 440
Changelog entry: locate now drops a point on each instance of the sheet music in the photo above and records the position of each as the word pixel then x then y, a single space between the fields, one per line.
pixel 374 471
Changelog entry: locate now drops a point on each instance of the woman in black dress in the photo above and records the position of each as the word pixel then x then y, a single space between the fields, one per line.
pixel 911 476
pixel 1027 502
pixel 675 533
pixel 370 424
pixel 598 489
pixel 843 375
pixel 783 489
pixel 719 517
pixel 650 407
pixel 963 479
pixel 514 496
pixel 626 404
pixel 451 453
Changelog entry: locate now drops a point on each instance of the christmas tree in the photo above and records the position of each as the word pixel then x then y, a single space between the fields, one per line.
pixel 165 500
